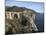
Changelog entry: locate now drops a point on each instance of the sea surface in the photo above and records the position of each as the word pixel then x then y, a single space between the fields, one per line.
pixel 40 22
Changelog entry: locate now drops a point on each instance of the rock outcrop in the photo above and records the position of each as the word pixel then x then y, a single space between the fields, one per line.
pixel 20 22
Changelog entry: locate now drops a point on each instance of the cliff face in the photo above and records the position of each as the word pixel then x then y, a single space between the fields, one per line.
pixel 20 22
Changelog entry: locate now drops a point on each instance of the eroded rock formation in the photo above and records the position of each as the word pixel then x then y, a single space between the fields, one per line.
pixel 20 22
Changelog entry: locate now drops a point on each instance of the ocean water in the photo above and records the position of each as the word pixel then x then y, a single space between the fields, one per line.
pixel 40 22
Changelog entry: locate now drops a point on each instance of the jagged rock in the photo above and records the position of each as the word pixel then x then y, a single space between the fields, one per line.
pixel 22 23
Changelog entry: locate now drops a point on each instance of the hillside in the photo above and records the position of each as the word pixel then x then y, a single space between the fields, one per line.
pixel 18 9
pixel 25 24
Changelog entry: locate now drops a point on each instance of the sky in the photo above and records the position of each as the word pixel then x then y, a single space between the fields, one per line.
pixel 36 6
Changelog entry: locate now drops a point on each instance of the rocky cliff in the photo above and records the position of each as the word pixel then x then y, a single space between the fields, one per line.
pixel 22 24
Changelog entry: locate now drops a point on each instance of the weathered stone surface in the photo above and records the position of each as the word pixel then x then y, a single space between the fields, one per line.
pixel 20 22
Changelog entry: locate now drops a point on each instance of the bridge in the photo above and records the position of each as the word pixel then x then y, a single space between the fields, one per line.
pixel 11 15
